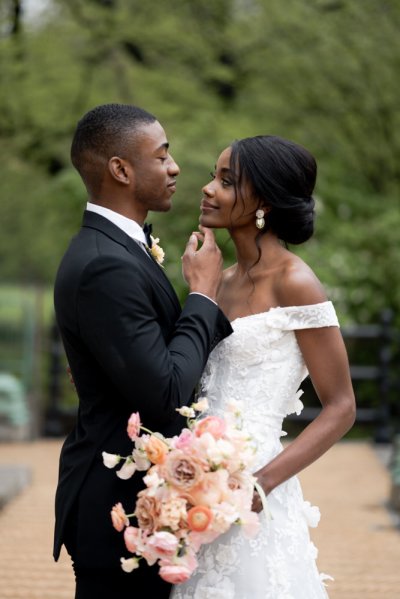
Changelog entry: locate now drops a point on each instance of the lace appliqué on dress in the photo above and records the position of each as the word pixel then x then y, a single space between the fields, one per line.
pixel 261 366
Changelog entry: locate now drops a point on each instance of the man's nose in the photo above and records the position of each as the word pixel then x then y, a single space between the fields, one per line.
pixel 173 168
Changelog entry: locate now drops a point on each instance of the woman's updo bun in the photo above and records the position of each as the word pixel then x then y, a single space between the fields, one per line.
pixel 282 176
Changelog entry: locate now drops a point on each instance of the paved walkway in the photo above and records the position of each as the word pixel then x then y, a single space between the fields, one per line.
pixel 358 542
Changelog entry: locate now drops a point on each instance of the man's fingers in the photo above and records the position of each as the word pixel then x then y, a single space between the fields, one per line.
pixel 192 243
pixel 209 238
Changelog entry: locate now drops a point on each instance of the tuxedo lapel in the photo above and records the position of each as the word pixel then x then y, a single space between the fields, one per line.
pixel 98 222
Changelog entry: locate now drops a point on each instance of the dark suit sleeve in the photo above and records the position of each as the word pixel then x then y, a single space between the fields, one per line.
pixel 120 325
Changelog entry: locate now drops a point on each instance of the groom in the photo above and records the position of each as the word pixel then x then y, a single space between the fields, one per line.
pixel 129 345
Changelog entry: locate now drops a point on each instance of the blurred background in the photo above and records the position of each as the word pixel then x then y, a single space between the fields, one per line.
pixel 324 73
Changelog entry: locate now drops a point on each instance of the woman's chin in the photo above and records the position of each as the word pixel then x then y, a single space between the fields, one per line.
pixel 211 223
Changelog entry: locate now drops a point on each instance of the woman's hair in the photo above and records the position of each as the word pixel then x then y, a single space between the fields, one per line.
pixel 281 175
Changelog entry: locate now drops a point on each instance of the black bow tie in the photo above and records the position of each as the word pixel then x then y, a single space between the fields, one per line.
pixel 147 229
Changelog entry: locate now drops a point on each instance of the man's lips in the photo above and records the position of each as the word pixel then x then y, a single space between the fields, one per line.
pixel 172 185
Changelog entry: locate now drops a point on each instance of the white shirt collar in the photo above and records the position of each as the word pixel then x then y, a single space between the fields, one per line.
pixel 129 226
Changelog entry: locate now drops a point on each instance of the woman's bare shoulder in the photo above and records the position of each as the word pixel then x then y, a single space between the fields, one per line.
pixel 298 285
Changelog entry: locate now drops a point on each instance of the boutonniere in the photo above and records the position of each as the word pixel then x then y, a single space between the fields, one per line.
pixel 156 251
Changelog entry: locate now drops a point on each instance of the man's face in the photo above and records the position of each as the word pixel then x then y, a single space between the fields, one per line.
pixel 154 168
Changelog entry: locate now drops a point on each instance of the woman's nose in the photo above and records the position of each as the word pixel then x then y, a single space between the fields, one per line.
pixel 208 190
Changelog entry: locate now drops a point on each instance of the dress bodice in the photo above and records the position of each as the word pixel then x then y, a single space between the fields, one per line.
pixel 261 365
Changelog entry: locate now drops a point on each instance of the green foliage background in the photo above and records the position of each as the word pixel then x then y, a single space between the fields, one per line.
pixel 324 73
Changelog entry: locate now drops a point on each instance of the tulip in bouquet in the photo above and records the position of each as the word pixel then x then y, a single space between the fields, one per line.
pixel 198 484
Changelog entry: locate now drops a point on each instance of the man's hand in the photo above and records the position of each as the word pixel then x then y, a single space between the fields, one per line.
pixel 202 268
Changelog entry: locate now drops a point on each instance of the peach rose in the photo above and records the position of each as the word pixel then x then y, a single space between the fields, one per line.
pixel 214 425
pixel 134 424
pixel 182 471
pixel 118 517
pixel 156 450
pixel 147 511
pixel 212 489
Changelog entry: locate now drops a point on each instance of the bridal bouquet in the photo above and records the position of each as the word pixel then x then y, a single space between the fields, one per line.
pixel 197 485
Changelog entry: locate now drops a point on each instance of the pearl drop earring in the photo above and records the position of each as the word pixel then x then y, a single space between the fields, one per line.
pixel 260 221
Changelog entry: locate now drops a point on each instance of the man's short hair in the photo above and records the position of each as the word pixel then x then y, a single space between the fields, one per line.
pixel 102 133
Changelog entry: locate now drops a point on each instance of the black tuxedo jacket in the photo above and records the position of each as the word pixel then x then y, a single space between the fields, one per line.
pixel 130 348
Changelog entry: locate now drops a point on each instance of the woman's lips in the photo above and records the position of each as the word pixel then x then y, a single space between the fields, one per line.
pixel 207 207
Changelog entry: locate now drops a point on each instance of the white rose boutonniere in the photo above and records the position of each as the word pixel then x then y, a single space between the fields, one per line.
pixel 156 251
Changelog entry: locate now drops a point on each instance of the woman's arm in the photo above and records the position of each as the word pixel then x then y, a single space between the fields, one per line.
pixel 325 356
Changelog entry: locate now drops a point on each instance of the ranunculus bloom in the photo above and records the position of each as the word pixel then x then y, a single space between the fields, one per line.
pixel 147 511
pixel 199 518
pixel 163 543
pixel 182 471
pixel 110 460
pixel 128 565
pixel 214 425
pixel 179 570
pixel 134 423
pixel 156 450
pixel 174 574
pixel 118 517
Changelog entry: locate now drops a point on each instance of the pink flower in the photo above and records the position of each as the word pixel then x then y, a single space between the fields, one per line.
pixel 184 440
pixel 178 571
pixel 134 424
pixel 163 543
pixel 250 524
pixel 133 539
pixel 174 574
pixel 172 513
pixel 118 517
pixel 214 425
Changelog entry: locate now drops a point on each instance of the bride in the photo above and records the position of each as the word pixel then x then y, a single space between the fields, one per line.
pixel 284 328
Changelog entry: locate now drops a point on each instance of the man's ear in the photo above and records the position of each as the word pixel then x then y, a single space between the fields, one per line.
pixel 120 170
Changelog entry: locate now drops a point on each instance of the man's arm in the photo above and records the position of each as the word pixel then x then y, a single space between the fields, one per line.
pixel 120 326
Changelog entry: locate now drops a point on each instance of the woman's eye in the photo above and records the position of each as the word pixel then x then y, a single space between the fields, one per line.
pixel 212 175
pixel 226 182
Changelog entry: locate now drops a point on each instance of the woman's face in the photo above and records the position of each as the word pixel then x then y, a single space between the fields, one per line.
pixel 223 206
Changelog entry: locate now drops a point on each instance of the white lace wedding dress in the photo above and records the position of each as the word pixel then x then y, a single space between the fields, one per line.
pixel 261 365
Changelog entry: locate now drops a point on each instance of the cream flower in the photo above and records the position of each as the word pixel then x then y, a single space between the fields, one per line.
pixel 127 470
pixel 128 565
pixel 110 460
pixel 156 251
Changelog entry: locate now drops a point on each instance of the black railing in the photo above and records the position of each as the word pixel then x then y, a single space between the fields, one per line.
pixel 382 376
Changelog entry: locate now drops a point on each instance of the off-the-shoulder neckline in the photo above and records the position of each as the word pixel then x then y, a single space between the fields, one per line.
pixel 305 306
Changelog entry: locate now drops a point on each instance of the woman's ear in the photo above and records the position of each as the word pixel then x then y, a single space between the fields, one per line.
pixel 266 207
pixel 120 170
